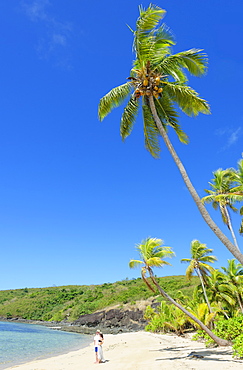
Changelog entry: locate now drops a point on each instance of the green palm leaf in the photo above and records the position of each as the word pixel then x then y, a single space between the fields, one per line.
pixel 187 99
pixel 156 262
pixel 144 34
pixel 134 263
pixel 193 60
pixel 128 117
pixel 113 99
pixel 149 18
pixel 168 116
pixel 151 133
pixel 160 43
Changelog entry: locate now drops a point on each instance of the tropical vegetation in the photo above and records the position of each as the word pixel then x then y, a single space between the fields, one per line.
pixel 69 302
pixel 152 255
pixel 217 303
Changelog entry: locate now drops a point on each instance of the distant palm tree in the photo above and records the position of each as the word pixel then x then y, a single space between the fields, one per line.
pixel 221 197
pixel 199 263
pixel 234 278
pixel 158 78
pixel 237 191
pixel 219 292
pixel 152 255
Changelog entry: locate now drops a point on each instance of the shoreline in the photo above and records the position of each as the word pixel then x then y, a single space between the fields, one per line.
pixel 55 325
pixel 140 351
pixel 37 343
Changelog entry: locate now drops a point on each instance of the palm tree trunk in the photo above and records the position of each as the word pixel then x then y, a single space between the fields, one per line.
pixel 239 300
pixel 219 341
pixel 204 290
pixel 231 247
pixel 231 228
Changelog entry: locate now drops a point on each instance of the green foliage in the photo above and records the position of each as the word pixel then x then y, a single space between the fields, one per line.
pixel 238 346
pixel 168 318
pixel 69 302
pixel 231 330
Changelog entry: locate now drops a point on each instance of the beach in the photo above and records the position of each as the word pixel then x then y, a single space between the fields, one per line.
pixel 140 351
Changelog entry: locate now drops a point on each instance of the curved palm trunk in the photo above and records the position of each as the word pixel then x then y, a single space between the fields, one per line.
pixel 204 290
pixel 231 228
pixel 219 341
pixel 231 247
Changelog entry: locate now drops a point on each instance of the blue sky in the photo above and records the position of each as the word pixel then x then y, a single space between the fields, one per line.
pixel 75 199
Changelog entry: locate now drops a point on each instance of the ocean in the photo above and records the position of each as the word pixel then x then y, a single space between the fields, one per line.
pixel 21 343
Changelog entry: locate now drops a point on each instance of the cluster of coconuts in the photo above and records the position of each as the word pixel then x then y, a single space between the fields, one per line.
pixel 149 86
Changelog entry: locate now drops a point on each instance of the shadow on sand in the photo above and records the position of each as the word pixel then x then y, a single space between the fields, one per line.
pixel 201 354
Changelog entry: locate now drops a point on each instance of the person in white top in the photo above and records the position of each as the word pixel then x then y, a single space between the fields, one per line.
pixel 96 345
pixel 100 350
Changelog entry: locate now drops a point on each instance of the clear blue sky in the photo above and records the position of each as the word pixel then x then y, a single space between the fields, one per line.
pixel 75 199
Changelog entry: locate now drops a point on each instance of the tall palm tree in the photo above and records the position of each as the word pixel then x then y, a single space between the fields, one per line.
pixel 152 255
pixel 221 197
pixel 158 81
pixel 199 263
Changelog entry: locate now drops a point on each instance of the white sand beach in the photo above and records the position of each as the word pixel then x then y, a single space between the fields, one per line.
pixel 140 351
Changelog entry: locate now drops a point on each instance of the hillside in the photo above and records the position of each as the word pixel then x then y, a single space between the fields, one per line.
pixel 69 302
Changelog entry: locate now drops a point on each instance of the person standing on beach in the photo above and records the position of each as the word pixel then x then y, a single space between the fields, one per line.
pixel 96 345
pixel 100 349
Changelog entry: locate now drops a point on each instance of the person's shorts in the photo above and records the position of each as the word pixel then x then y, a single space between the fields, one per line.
pixel 96 349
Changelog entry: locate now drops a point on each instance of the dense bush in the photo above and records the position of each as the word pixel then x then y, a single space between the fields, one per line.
pixel 230 329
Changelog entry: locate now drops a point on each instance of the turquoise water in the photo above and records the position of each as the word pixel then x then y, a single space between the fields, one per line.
pixel 20 343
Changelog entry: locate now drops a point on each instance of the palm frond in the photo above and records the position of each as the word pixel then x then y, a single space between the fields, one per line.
pixel 170 66
pixel 163 38
pixel 163 252
pixel 156 262
pixel 207 198
pixel 128 117
pixel 145 29
pixel 190 271
pixel 168 116
pixel 151 133
pixel 193 60
pixel 185 260
pixel 113 99
pixel 161 45
pixel 149 18
pixel 187 99
pixel 135 263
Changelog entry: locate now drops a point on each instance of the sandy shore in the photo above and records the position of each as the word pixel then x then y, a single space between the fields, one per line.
pixel 140 351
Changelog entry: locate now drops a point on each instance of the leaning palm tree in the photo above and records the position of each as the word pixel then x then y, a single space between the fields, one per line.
pixel 152 255
pixel 158 81
pixel 199 263
pixel 221 196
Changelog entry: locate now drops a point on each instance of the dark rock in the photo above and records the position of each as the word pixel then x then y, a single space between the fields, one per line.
pixel 111 321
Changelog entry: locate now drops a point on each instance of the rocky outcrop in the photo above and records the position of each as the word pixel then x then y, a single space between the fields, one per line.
pixel 111 321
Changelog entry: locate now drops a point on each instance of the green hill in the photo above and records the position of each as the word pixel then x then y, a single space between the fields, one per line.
pixel 69 302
